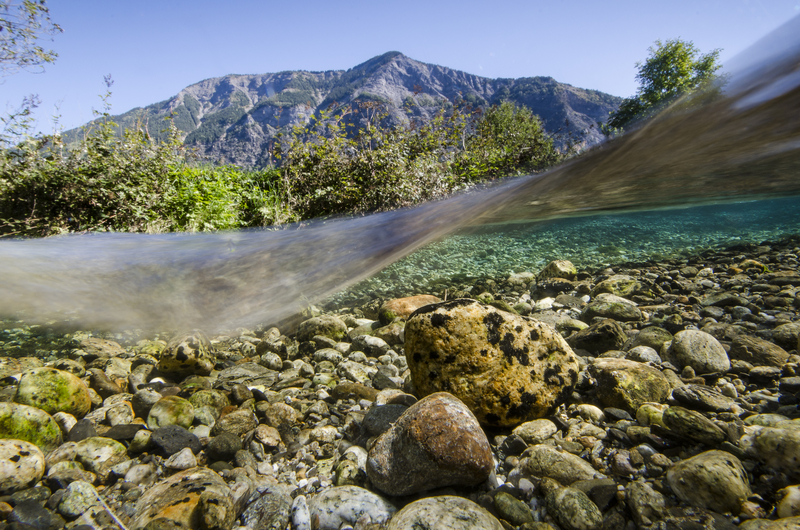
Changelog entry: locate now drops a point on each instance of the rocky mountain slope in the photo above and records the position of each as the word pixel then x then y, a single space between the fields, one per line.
pixel 233 119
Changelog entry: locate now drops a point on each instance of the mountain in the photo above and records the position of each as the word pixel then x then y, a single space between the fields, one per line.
pixel 232 119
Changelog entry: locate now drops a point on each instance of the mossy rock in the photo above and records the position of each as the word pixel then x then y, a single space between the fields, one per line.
pixel 52 391
pixel 23 422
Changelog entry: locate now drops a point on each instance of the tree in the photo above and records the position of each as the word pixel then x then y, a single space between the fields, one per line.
pixel 21 27
pixel 674 68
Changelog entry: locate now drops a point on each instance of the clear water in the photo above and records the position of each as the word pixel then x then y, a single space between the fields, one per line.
pixel 736 142
pixel 589 242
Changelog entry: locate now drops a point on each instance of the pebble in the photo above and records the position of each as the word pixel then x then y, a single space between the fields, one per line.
pixel 286 425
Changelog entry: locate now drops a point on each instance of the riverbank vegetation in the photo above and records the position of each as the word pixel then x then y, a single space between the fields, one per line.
pixel 345 160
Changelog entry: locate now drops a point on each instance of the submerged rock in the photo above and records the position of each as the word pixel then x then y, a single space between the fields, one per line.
pixel 453 513
pixel 187 355
pixel 31 424
pixel 21 465
pixel 436 442
pixel 53 391
pixel 714 480
pixel 506 368
pixel 628 385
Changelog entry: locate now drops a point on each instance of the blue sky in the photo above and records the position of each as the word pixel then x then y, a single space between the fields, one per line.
pixel 154 48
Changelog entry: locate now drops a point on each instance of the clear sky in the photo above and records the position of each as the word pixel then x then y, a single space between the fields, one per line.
pixel 154 48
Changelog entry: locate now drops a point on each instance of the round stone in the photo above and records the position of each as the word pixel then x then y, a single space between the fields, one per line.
pixel 171 410
pixel 31 424
pixel 714 480
pixel 699 350
pixel 444 511
pixel 21 465
pixel 53 391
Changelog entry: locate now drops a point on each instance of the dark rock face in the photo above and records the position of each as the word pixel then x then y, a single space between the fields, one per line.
pixel 506 368
pixel 268 102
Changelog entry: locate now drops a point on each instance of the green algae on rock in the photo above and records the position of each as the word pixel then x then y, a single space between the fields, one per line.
pixel 23 422
pixel 53 391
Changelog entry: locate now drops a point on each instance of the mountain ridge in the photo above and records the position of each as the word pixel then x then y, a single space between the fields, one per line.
pixel 234 118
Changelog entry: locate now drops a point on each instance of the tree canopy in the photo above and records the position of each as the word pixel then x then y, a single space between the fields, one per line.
pixel 22 25
pixel 674 68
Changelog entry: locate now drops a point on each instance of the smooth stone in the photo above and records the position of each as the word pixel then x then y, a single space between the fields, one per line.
pixel 191 498
pixel 92 348
pixel 652 337
pixel 238 422
pixel 536 431
pixel 189 354
pixel 30 514
pixel 506 368
pixel 82 430
pixel 143 400
pixel 627 385
pixel 566 468
pixel 21 465
pixel 778 448
pixel 173 438
pixel 788 504
pixel 651 414
pixel 693 425
pixel 559 268
pixel 714 480
pixel 599 338
pixel 621 312
pixel 271 510
pixel 301 516
pixel 757 352
pixel 345 505
pixel 223 446
pixel 183 459
pixel 699 350
pixel 445 511
pixel 512 509
pixel 171 410
pixel 31 424
pixel 53 391
pixel 99 455
pixel 437 442
pixel 702 397
pixel 786 335
pixel 378 419
pixel 326 325
pixel 643 354
pixel 618 284
pixel 372 346
pixel 646 504
pixel 79 497
pixel 590 413
pixel 573 509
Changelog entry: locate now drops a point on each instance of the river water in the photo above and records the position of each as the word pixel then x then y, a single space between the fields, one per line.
pixel 718 169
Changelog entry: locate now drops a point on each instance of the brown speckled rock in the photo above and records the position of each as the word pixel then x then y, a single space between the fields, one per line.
pixel 179 497
pixel 403 307
pixel 437 442
pixel 757 352
pixel 187 355
pixel 506 368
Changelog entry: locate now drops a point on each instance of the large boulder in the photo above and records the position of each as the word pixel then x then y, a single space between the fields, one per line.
pixel 53 391
pixel 188 355
pixel 436 442
pixel 506 368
